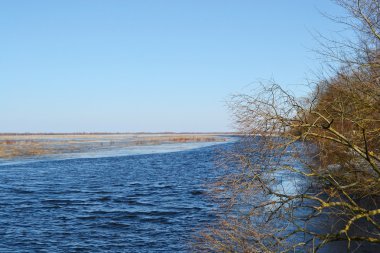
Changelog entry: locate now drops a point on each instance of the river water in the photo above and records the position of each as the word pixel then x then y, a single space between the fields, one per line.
pixel 140 199
pixel 147 201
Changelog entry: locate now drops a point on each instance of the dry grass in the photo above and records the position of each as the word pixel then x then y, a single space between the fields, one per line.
pixel 13 146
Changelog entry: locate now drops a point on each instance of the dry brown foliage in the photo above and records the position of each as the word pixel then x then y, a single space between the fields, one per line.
pixel 309 168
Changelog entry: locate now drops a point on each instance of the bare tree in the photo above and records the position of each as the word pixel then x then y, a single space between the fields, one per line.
pixel 309 168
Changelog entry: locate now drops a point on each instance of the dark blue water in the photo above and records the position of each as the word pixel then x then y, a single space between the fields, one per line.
pixel 142 203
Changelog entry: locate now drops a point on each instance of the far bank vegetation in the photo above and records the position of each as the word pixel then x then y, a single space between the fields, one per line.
pixel 16 145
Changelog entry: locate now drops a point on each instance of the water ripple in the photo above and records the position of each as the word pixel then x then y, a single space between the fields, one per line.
pixel 142 203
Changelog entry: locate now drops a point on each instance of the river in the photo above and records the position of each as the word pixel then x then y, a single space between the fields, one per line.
pixel 139 199
pixel 142 201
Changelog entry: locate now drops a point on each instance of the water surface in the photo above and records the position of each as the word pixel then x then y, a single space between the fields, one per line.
pixel 135 203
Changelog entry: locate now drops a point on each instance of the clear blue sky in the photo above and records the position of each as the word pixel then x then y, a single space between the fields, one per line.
pixel 146 65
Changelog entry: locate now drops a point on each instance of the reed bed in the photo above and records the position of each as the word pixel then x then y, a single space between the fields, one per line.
pixel 15 145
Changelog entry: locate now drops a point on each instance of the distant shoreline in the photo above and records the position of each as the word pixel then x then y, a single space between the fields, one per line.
pixel 13 146
pixel 119 133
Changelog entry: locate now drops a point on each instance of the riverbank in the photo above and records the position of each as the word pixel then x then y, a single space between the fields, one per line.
pixel 14 146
